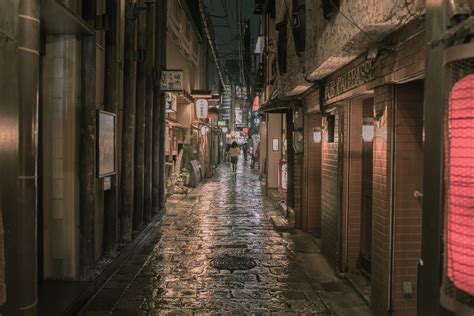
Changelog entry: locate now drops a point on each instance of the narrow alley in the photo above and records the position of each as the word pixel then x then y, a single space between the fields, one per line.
pixel 216 251
pixel 237 157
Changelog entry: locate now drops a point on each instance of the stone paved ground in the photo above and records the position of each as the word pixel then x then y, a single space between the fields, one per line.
pixel 225 219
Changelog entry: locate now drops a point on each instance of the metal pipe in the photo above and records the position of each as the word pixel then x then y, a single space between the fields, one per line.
pixel 391 200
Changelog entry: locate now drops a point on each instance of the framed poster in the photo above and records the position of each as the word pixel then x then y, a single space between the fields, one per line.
pixel 171 80
pixel 106 144
pixel 275 144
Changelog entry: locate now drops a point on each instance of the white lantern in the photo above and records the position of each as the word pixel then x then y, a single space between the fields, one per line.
pixel 202 107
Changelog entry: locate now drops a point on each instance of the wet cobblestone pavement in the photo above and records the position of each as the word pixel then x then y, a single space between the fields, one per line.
pixel 214 252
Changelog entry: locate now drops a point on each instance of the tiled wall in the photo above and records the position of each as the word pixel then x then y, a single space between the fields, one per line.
pixel 383 97
pixel 407 208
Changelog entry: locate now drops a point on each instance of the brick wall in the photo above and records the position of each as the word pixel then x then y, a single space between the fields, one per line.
pixel 311 213
pixel 383 98
pixel 408 179
pixel 329 194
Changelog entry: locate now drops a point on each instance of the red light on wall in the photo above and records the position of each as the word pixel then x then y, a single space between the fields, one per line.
pixel 256 104
pixel 460 186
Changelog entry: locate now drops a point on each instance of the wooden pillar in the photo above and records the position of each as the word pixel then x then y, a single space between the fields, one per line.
pixel 88 143
pixel 140 124
pixel 111 104
pixel 128 126
pixel 159 112
pixel 150 65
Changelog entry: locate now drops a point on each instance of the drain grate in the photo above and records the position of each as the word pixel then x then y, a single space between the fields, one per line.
pixel 233 263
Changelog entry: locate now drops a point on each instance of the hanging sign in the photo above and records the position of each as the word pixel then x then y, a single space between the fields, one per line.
pixel 224 130
pixel 283 176
pixel 221 123
pixel 202 107
pixel 171 80
pixel 171 101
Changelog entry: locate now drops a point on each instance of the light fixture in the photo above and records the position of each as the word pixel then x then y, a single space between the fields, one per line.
pixel 317 135
pixel 368 131
pixel 204 130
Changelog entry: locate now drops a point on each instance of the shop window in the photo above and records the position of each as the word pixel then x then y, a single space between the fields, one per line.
pixel 460 186
pixel 331 127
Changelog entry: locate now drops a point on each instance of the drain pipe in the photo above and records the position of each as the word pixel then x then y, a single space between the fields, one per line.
pixel 391 200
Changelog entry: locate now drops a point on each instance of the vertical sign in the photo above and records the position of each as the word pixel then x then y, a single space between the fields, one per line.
pixel 171 100
pixel 202 107
pixel 283 176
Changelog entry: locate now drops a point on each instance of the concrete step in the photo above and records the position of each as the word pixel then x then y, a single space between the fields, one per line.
pixel 281 223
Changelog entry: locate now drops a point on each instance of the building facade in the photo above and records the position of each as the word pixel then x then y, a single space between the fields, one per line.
pixel 351 99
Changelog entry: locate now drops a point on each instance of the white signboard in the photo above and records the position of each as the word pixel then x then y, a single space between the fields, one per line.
pixel 171 101
pixel 171 80
pixel 202 107
pixel 238 116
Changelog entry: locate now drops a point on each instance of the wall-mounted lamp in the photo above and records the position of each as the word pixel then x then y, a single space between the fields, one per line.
pixel 204 130
pixel 368 131
pixel 317 135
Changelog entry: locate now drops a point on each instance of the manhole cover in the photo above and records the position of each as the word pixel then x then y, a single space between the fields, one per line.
pixel 233 263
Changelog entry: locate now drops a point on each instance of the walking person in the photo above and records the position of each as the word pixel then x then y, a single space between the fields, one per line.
pixel 234 153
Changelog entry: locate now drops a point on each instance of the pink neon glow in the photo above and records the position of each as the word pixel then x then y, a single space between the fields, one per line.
pixel 460 235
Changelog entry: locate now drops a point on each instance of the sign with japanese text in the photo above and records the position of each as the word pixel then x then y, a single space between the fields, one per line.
pixel 202 107
pixel 283 176
pixel 171 102
pixel 171 80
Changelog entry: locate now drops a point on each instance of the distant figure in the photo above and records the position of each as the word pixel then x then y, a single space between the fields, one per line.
pixel 234 153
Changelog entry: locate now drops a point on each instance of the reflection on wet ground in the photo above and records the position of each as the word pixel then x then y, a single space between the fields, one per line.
pixel 215 251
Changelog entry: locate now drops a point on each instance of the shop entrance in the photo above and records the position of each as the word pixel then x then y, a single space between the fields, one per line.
pixel 357 191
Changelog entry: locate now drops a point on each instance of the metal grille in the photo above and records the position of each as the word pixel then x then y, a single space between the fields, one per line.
pixel 458 283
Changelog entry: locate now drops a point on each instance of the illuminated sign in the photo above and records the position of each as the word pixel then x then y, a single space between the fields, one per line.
pixel 256 104
pixel 202 108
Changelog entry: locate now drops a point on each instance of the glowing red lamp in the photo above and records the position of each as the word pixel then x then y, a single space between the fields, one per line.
pixel 460 185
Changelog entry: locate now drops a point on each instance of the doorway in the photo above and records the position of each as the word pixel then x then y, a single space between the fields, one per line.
pixel 365 256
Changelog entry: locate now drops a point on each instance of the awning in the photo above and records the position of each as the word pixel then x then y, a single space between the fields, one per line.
pixel 279 105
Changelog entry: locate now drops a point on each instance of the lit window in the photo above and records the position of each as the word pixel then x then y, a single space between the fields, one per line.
pixel 460 170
